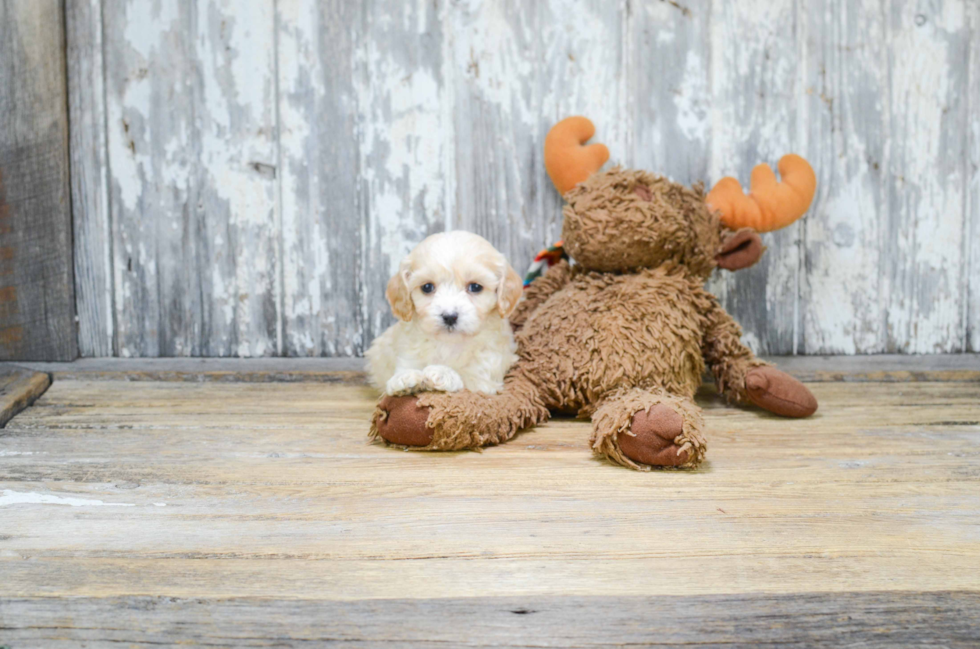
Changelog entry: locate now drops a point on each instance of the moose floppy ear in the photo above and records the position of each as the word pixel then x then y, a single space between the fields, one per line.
pixel 399 296
pixel 509 291
pixel 740 250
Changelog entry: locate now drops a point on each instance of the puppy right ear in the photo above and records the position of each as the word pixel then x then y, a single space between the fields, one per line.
pixel 399 297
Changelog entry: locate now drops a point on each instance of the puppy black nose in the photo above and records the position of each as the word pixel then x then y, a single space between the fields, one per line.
pixel 450 319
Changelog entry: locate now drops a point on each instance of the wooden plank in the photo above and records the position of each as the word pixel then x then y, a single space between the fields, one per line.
pixel 235 490
pixel 19 388
pixel 405 155
pixel 37 304
pixel 585 48
pixel 322 230
pixel 516 71
pixel 388 121
pixel 885 619
pixel 845 78
pixel 89 178
pixel 972 214
pixel 754 116
pixel 923 238
pixel 669 70
pixel 234 370
pixel 192 158
pixel 495 49
pixel 896 368
pixel 856 369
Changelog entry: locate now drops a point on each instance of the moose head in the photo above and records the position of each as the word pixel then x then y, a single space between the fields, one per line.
pixel 624 220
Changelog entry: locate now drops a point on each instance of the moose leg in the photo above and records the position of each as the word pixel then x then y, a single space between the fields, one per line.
pixel 741 377
pixel 435 421
pixel 640 429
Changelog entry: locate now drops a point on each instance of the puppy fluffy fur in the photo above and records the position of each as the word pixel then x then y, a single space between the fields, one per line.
pixel 452 296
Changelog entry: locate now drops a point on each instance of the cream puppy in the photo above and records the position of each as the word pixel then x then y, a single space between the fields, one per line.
pixel 452 295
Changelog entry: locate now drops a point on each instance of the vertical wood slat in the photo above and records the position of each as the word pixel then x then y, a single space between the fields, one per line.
pixel 754 116
pixel 671 114
pixel 192 150
pixel 517 71
pixel 89 178
pixel 972 170
pixel 587 72
pixel 37 304
pixel 322 229
pixel 924 188
pixel 845 77
pixel 365 130
pixel 495 47
pixel 397 120
pixel 404 131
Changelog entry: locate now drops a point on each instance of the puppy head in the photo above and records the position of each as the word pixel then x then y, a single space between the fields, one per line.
pixel 452 282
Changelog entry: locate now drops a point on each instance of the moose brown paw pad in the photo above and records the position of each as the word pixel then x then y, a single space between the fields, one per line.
pixel 778 392
pixel 652 441
pixel 402 421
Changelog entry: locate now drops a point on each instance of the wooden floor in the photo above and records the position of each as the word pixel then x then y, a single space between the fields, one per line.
pixel 257 514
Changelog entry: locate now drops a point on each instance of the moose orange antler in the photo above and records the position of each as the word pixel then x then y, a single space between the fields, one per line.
pixel 771 205
pixel 566 158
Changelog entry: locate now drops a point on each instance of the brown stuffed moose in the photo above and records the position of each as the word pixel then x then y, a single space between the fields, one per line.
pixel 623 335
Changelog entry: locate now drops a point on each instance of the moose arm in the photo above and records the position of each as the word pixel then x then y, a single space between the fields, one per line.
pixel 727 357
pixel 743 378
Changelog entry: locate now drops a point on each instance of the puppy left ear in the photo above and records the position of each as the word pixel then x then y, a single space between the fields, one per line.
pixel 509 291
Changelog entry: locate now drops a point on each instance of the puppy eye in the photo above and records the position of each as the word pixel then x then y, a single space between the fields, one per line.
pixel 428 287
pixel 474 287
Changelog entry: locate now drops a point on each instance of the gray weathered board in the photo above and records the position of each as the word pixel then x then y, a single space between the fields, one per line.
pixel 37 303
pixel 880 619
pixel 246 175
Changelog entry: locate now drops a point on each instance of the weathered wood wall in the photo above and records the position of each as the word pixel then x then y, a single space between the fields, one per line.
pixel 37 303
pixel 247 175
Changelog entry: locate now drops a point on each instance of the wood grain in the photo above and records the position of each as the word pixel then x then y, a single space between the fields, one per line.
pixel 405 136
pixel 37 302
pixel 253 515
pixel 754 116
pixel 261 212
pixel 670 54
pixel 888 619
pixel 218 490
pixel 19 388
pixel 517 71
pixel 93 234
pixel 323 229
pixel 845 77
pixel 191 127
pixel 923 240
pixel 229 370
pixel 971 214
pixel 892 368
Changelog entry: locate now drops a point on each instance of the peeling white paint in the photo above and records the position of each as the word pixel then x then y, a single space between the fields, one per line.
pixel 416 116
pixel 401 142
pixel 842 305
pixel 927 196
pixel 693 115
pixel 10 497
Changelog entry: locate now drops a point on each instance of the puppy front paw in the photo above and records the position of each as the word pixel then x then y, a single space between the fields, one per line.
pixel 405 382
pixel 442 378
